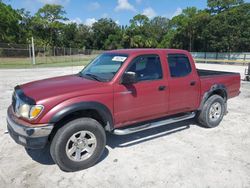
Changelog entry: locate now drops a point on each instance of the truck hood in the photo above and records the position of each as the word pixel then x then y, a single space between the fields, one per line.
pixel 68 86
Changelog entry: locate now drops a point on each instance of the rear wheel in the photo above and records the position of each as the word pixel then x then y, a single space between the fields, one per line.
pixel 212 112
pixel 78 144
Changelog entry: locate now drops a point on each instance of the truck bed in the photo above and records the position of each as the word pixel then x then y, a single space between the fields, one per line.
pixel 203 73
pixel 230 80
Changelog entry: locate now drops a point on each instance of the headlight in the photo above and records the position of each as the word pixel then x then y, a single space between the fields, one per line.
pixel 24 110
pixel 30 111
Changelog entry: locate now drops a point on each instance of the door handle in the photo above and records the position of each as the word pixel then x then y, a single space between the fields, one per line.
pixel 192 83
pixel 162 88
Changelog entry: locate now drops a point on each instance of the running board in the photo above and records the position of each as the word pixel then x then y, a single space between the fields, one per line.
pixel 153 125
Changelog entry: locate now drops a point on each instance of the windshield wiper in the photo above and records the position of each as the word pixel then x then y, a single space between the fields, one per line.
pixel 94 77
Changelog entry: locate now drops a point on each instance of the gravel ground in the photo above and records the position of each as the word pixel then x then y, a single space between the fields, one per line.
pixel 177 155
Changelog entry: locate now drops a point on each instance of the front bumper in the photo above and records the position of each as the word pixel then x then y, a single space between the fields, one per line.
pixel 28 135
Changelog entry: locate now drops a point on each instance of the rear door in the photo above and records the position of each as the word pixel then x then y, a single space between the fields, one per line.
pixel 145 99
pixel 184 84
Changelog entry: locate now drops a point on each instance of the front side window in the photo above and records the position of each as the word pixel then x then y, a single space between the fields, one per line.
pixel 104 67
pixel 147 67
pixel 179 65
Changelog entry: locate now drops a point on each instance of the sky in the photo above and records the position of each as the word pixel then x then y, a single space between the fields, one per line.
pixel 121 11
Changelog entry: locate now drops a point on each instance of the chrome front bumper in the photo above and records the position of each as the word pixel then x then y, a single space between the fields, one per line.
pixel 28 135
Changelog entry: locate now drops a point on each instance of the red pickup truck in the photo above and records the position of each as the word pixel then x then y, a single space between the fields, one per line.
pixel 122 92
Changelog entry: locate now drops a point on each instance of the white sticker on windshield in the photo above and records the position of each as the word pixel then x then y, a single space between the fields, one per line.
pixel 119 58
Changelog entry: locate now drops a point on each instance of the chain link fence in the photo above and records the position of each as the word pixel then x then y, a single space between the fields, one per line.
pixel 18 55
pixel 242 58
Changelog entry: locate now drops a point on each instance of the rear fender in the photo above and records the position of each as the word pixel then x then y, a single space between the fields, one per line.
pixel 215 89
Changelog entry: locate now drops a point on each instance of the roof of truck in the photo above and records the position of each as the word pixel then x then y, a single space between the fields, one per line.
pixel 146 50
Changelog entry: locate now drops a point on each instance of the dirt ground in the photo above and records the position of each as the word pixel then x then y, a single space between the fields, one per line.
pixel 176 155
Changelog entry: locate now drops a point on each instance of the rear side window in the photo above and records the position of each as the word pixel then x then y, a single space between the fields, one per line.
pixel 179 65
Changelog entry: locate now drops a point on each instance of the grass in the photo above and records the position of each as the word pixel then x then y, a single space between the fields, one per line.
pixel 51 61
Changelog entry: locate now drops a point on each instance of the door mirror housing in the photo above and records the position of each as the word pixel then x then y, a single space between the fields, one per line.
pixel 129 78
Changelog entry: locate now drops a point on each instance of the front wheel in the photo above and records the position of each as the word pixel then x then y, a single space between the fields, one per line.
pixel 78 144
pixel 212 112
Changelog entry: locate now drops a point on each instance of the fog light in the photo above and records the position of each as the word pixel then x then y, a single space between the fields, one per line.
pixel 30 131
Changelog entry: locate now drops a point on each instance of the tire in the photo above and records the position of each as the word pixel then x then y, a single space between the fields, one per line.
pixel 78 144
pixel 212 112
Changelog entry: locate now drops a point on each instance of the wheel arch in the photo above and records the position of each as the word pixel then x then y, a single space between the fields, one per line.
pixel 216 89
pixel 95 110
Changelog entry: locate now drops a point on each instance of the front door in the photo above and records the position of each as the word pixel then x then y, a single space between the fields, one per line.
pixel 145 99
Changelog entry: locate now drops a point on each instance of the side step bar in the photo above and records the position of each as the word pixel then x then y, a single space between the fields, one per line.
pixel 153 125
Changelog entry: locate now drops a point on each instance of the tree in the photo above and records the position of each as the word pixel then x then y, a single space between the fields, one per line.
pixel 217 6
pixel 83 36
pixel 184 26
pixel 9 24
pixel 201 21
pixel 138 33
pixel 158 27
pixel 113 41
pixel 167 39
pixel 51 13
pixel 48 24
pixel 25 32
pixel 102 29
pixel 69 33
pixel 230 30
pixel 223 26
pixel 139 20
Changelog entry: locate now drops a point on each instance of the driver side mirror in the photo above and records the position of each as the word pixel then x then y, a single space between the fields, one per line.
pixel 129 78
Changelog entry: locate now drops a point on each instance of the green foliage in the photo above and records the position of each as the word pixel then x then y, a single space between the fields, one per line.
pixel 24 25
pixel 51 13
pixel 47 24
pixel 217 6
pixel 9 26
pixel 185 28
pixel 223 26
pixel 230 30
pixel 158 27
pixel 113 41
pixel 102 29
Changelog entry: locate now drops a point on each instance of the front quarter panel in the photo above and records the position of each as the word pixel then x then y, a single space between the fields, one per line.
pixel 105 99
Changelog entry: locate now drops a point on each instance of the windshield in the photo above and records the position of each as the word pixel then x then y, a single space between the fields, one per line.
pixel 104 67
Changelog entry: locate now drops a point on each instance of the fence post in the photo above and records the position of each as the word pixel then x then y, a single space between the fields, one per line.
pixel 30 56
pixel 244 58
pixel 44 54
pixel 248 72
pixel 70 54
pixel 33 51
pixel 64 55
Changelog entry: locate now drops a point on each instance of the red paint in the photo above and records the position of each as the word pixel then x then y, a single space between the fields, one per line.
pixel 144 103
